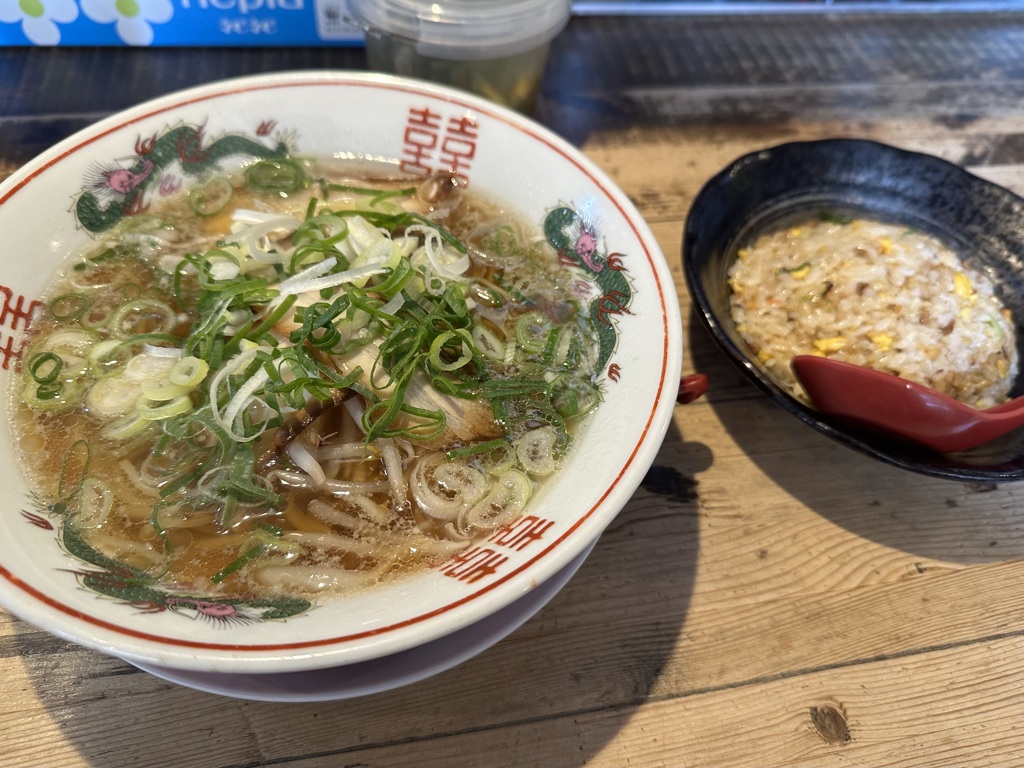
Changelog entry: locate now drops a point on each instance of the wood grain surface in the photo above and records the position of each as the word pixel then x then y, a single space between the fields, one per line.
pixel 768 597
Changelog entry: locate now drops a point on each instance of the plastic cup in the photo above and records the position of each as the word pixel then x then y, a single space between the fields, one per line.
pixel 495 48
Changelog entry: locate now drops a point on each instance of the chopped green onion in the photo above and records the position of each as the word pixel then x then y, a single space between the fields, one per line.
pixel 176 407
pixel 791 270
pixel 189 372
pixel 536 450
pixel 439 346
pixel 162 390
pixel 70 342
pixel 247 557
pixel 376 194
pixel 573 396
pixel 74 469
pixel 143 316
pixel 476 449
pixel 49 391
pixel 69 307
pixel 278 175
pixel 154 520
pixel 212 197
pixel 503 502
pixel 107 356
pixel 488 343
pixel 126 427
pixel 531 331
pixel 45 367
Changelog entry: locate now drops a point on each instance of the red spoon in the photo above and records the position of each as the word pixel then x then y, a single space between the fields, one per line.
pixel 883 402
pixel 691 387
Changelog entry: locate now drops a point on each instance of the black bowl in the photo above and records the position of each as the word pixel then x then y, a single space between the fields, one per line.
pixel 981 221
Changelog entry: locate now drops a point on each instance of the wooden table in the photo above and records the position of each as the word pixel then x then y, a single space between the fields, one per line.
pixel 768 597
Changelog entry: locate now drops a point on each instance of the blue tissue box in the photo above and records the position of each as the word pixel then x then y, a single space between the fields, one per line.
pixel 177 23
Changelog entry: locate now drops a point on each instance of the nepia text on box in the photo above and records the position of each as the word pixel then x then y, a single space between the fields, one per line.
pixel 177 22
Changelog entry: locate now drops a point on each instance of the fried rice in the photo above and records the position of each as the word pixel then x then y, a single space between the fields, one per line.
pixel 874 294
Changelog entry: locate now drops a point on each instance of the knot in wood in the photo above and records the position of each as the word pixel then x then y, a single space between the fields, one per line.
pixel 829 721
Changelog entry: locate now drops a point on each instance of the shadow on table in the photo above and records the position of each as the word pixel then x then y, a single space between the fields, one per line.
pixel 570 677
pixel 931 517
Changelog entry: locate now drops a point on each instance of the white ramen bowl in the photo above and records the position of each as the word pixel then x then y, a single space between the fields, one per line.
pixel 147 152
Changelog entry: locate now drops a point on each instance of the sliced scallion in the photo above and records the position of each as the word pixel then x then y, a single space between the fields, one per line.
pixel 212 197
pixel 188 372
pixel 277 175
pixel 45 367
pixel 69 307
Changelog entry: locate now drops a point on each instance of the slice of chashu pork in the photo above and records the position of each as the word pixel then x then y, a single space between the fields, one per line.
pixel 466 420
